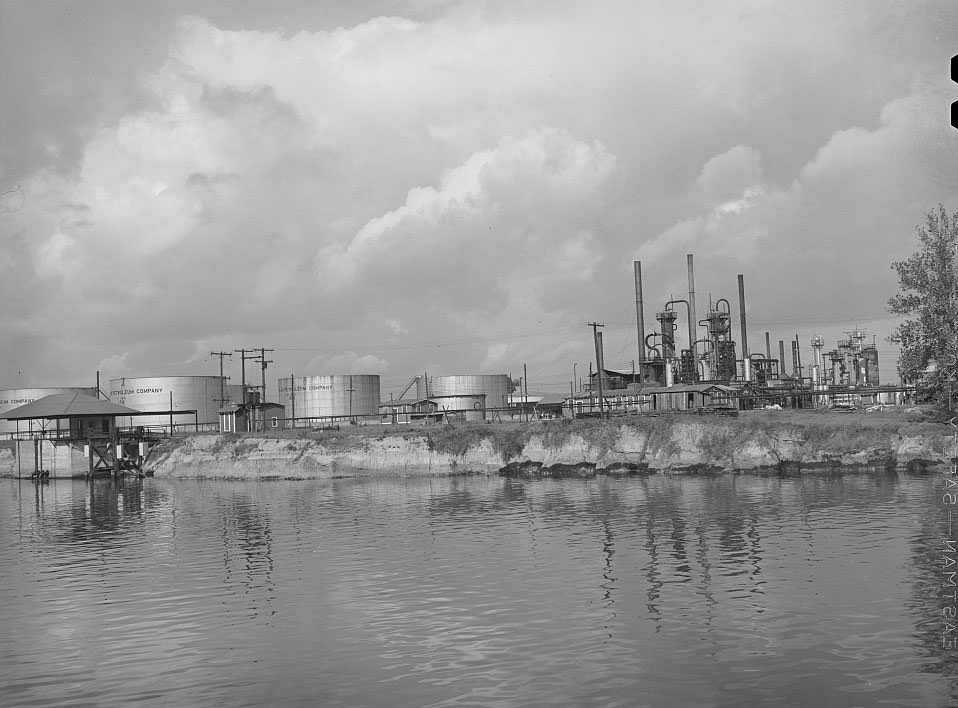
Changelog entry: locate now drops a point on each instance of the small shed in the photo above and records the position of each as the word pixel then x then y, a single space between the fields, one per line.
pixel 258 417
pixel 234 418
pixel 550 405
pixel 691 397
pixel 271 416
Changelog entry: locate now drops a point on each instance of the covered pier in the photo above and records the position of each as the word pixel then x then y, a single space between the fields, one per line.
pixel 76 435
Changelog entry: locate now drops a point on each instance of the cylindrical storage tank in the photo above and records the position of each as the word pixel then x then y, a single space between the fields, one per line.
pixel 337 395
pixel 870 355
pixel 495 387
pixel 471 407
pixel 159 393
pixel 11 398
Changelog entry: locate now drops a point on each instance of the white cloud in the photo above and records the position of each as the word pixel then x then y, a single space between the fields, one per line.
pixel 113 366
pixel 731 173
pixel 521 203
pixel 395 326
pixel 53 257
pixel 482 176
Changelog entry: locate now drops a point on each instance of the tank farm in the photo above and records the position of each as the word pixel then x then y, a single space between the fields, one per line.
pixel 687 359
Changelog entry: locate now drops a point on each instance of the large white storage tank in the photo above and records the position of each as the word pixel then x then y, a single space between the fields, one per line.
pixel 11 398
pixel 157 393
pixel 461 390
pixel 336 395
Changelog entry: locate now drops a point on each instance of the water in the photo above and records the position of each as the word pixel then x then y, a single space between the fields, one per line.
pixel 821 590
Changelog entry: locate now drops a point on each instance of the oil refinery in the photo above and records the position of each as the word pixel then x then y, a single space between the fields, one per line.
pixel 685 363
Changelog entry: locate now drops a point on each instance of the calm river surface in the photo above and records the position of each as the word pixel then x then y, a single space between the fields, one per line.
pixel 821 590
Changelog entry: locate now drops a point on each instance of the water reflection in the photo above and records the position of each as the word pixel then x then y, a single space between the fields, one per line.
pixel 934 564
pixel 711 591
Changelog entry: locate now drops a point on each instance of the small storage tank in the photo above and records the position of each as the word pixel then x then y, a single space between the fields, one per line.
pixel 461 391
pixel 350 395
pixel 156 393
pixel 11 398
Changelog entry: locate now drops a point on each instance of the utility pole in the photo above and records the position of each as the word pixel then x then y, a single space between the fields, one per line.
pixel 525 398
pixel 243 353
pixel 351 389
pixel 263 363
pixel 597 336
pixel 222 380
pixel 292 400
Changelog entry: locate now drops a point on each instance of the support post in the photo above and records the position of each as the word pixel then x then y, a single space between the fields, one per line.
pixel 597 336
pixel 115 440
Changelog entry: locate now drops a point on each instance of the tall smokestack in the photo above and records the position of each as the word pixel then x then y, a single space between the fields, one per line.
pixel 798 357
pixel 781 357
pixel 741 312
pixel 794 358
pixel 768 346
pixel 692 322
pixel 639 310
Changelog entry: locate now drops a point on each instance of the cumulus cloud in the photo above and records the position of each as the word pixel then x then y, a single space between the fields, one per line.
pixel 730 174
pixel 464 187
pixel 528 195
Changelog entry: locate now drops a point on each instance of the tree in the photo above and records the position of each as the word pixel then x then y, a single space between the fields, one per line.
pixel 929 298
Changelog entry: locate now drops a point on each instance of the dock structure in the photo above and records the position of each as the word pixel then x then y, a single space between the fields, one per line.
pixel 76 435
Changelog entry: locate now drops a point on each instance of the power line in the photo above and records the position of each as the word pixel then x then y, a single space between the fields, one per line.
pixel 263 363
pixel 222 400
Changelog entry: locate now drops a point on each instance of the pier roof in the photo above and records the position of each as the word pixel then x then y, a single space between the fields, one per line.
pixel 67 405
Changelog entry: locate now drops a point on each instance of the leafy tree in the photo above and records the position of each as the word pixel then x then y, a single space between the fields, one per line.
pixel 929 298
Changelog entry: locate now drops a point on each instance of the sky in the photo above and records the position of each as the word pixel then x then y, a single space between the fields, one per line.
pixel 395 187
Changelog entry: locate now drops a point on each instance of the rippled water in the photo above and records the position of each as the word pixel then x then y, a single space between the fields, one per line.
pixel 820 590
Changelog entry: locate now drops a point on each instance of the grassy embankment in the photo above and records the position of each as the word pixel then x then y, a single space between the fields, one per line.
pixel 719 439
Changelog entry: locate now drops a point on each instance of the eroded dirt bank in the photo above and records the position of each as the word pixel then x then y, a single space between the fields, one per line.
pixel 676 443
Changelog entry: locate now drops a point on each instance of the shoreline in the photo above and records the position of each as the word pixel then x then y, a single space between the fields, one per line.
pixel 762 442
pixel 778 442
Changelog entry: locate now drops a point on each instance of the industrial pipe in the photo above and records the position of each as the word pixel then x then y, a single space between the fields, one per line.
pixel 691 314
pixel 652 347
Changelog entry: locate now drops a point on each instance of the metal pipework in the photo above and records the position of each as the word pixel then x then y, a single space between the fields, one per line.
pixel 708 350
pixel 688 311
pixel 691 304
pixel 652 347
pixel 817 345
pixel 639 309
pixel 667 325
